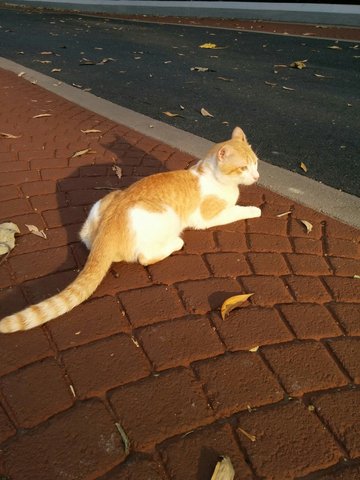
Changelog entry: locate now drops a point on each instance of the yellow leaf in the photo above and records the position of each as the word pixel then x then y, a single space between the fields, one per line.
pixel 33 229
pixel 7 236
pixel 356 276
pixel 303 167
pixel 299 64
pixel 91 130
pixel 205 113
pixel 208 45
pixel 283 214
pixel 8 135
pixel 223 470
pixel 81 152
pixel 233 302
pixel 307 225
pixel 255 349
pixel 41 115
pixel 170 114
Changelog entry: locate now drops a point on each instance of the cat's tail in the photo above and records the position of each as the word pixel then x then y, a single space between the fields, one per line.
pixel 96 267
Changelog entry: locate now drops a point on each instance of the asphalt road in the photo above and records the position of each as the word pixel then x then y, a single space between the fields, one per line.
pixel 309 115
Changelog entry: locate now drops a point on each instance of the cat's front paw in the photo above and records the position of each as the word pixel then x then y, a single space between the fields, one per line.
pixel 253 212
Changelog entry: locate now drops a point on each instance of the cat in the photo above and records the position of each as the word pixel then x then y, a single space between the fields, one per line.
pixel 144 222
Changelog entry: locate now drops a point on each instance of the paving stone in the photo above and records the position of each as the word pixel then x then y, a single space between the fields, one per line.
pixel 179 342
pixel 91 321
pixel 302 264
pixel 8 192
pixel 249 327
pixel 348 315
pixel 340 412
pixel 195 455
pixel 235 381
pixel 346 267
pixel 137 468
pixel 198 241
pixel 7 429
pixel 201 296
pixel 43 382
pixel 310 246
pixel 268 226
pixel 5 276
pixel 308 289
pixel 268 290
pixel 105 364
pixel 337 247
pixel 18 178
pixel 344 289
pixel 150 305
pixel 298 229
pixel 347 351
pixel 16 206
pixel 303 367
pixel 42 288
pixel 64 216
pixel 344 472
pixel 269 243
pixel 268 264
pixel 177 268
pixel 122 277
pixel 230 241
pixel 49 201
pixel 310 320
pixel 291 429
pixel 66 446
pixel 227 264
pixel 84 197
pixel 337 229
pixel 160 407
pixel 38 264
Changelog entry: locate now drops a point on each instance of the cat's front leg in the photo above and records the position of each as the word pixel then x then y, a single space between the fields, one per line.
pixel 233 214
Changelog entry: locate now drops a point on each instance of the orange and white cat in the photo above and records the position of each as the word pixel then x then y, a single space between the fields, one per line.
pixel 144 222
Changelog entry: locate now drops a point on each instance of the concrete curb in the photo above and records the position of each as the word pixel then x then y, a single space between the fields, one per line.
pixel 308 192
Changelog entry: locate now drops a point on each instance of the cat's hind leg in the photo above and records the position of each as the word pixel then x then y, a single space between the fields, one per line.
pixel 89 229
pixel 160 252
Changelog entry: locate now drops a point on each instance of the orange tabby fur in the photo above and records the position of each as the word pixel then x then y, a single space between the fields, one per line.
pixel 144 222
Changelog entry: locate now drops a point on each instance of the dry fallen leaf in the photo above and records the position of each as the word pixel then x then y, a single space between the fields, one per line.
pixel 288 88
pixel 7 236
pixel 41 115
pixel 44 62
pixel 248 435
pixel 270 84
pixel 223 470
pixel 334 47
pixel 91 130
pixel 199 69
pixel 170 114
pixel 318 75
pixel 208 45
pixel 283 214
pixel 303 167
pixel 56 70
pixel 233 302
pixel 299 64
pixel 307 225
pixel 81 152
pixel 8 135
pixel 205 113
pixel 254 349
pixel 46 53
pixel 356 276
pixel 34 229
pixel 225 79
pixel 117 170
pixel 21 74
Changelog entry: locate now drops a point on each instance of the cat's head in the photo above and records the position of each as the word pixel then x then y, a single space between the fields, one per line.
pixel 236 160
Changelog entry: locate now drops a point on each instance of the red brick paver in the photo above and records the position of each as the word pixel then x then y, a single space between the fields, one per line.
pixel 145 380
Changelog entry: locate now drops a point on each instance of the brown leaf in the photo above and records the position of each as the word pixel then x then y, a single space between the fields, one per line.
pixel 8 135
pixel 41 115
pixel 117 170
pixel 303 167
pixel 307 225
pixel 205 113
pixel 91 130
pixel 233 302
pixel 223 470
pixel 283 214
pixel 254 349
pixel 34 229
pixel 7 236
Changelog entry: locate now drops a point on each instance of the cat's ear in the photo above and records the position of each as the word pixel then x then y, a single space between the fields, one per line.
pixel 224 153
pixel 239 133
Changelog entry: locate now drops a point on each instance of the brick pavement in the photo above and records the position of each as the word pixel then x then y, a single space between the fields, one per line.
pixel 149 351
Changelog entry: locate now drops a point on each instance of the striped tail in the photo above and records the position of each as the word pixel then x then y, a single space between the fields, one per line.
pixel 96 267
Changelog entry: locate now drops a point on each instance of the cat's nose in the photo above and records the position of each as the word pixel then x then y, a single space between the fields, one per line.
pixel 255 176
